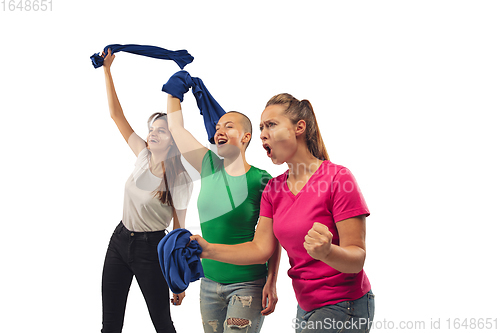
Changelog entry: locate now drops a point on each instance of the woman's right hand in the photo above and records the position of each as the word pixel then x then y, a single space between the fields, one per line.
pixel 108 59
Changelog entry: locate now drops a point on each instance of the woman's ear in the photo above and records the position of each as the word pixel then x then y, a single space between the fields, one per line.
pixel 300 127
pixel 246 137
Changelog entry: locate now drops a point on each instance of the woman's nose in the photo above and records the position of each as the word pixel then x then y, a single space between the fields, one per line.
pixel 263 134
pixel 219 132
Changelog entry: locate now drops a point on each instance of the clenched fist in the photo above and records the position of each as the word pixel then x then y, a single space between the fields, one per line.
pixel 318 241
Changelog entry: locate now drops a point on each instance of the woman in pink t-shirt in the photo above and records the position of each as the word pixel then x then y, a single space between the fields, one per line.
pixel 317 213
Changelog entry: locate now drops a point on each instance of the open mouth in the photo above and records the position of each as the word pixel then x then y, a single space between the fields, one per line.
pixel 153 140
pixel 268 149
pixel 221 142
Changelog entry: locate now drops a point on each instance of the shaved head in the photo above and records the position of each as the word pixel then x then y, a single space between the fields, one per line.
pixel 245 122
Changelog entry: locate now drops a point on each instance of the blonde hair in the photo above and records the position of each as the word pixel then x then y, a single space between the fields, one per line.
pixel 297 110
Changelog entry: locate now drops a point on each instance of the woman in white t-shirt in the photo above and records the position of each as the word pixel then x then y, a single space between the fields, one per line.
pixel 157 191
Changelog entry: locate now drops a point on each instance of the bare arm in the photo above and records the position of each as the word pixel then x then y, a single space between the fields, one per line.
pixel 269 292
pixel 257 251
pixel 115 108
pixel 179 218
pixel 192 150
pixel 179 222
pixel 349 255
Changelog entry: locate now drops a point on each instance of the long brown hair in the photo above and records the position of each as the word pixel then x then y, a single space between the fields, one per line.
pixel 172 165
pixel 297 110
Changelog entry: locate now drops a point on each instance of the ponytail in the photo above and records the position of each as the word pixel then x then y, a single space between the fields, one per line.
pixel 302 110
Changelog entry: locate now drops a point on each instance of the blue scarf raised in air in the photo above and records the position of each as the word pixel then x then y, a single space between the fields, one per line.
pixel 179 84
pixel 181 57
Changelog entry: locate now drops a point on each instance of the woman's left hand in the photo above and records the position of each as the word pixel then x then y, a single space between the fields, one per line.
pixel 318 241
pixel 269 297
pixel 177 298
pixel 108 59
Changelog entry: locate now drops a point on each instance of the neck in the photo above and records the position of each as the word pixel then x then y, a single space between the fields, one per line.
pixel 303 163
pixel 236 165
pixel 155 163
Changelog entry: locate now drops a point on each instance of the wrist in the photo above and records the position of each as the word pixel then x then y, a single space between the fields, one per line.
pixel 208 251
pixel 272 277
pixel 330 254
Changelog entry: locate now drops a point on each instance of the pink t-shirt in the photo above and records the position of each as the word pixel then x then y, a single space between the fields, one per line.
pixel 330 195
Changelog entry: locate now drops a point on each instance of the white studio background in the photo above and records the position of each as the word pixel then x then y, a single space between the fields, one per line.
pixel 405 93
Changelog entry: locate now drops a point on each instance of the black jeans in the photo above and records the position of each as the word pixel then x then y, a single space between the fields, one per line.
pixel 134 253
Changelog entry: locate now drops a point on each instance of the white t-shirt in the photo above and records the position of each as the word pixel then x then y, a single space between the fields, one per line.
pixel 142 211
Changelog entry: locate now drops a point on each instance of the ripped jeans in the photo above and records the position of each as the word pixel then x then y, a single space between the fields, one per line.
pixel 233 307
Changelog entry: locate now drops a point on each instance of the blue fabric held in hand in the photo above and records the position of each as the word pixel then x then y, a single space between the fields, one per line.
pixel 179 260
pixel 181 57
pixel 179 84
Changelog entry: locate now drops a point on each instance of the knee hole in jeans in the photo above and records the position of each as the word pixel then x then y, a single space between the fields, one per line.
pixel 237 322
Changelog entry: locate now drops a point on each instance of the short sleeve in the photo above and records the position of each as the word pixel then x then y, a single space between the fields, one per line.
pixel 182 190
pixel 347 200
pixel 266 206
pixel 141 165
pixel 210 164
pixel 265 179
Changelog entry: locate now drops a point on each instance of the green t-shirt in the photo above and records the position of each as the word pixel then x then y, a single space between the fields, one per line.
pixel 228 208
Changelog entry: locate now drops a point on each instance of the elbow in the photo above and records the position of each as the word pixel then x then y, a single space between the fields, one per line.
pixel 359 264
pixel 355 263
pixel 263 257
pixel 116 114
pixel 352 269
pixel 174 125
pixel 261 262
pixel 174 131
pixel 355 269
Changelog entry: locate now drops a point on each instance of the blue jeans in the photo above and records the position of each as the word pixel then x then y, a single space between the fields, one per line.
pixel 132 254
pixel 233 307
pixel 348 316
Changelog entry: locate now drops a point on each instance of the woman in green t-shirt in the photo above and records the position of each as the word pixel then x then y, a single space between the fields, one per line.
pixel 231 296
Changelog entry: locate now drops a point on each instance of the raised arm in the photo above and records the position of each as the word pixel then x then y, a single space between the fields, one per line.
pixel 257 251
pixel 192 150
pixel 115 109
